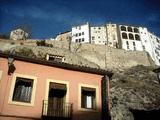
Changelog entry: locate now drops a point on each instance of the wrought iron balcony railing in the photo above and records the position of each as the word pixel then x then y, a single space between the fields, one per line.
pixel 56 109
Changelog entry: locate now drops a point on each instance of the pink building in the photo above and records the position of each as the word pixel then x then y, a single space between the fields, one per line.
pixel 37 89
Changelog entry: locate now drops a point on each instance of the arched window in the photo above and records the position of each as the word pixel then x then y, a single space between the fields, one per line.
pixel 137 37
pixel 131 36
pixel 130 29
pixel 136 30
pixel 124 36
pixel 123 28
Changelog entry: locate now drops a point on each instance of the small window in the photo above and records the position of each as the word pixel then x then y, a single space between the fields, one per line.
pixel 79 40
pixel 136 30
pixel 123 28
pixel 133 43
pixel 88 98
pixel 131 36
pixel 127 42
pixel 82 39
pixel 79 34
pixel 127 46
pixel 23 90
pixel 130 29
pixel 124 36
pixel 99 28
pixel 76 40
pixel 76 35
pixel 82 33
pixel 55 58
pixel 98 36
pixel 93 38
pixel 137 37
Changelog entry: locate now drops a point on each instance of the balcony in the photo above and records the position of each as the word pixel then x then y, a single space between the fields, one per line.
pixel 60 111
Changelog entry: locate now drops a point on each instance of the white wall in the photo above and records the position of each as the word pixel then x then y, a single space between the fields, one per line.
pixel 81 33
pixel 130 45
pixel 98 35
pixel 112 35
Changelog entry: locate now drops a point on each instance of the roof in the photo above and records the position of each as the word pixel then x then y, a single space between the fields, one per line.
pixel 58 64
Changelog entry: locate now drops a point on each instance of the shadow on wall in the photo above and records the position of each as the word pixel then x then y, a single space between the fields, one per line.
pixel 146 115
pixel 81 115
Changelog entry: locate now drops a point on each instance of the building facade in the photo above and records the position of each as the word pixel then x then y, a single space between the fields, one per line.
pixel 81 33
pixel 49 90
pixel 66 36
pixel 18 34
pixel 112 35
pixel 130 38
pixel 98 35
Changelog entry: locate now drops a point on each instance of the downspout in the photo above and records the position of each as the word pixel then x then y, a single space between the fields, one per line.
pixel 106 104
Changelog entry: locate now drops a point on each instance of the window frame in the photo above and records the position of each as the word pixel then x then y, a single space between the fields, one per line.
pixel 80 86
pixel 13 83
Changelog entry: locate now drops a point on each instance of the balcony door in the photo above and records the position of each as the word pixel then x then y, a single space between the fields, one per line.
pixel 56 99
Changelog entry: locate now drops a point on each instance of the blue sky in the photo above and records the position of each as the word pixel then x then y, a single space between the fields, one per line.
pixel 46 18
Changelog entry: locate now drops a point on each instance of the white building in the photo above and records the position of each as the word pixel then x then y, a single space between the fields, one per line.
pixel 81 33
pixel 99 35
pixel 65 36
pixel 112 35
pixel 155 42
pixel 18 34
pixel 130 38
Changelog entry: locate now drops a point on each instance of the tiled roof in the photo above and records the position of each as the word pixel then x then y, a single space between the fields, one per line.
pixel 59 64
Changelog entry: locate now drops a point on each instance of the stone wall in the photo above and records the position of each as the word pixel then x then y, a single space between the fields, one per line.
pixel 103 56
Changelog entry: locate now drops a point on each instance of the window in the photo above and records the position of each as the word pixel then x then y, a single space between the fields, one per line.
pixel 79 34
pixel 136 30
pixel 123 28
pixel 93 37
pixel 99 28
pixel 133 43
pixel 131 36
pixel 129 29
pixel 82 33
pixel 88 100
pixel 127 42
pixel 76 40
pixel 76 35
pixel 137 37
pixel 79 40
pixel 23 90
pixel 56 58
pixel 124 36
pixel 82 39
pixel 88 97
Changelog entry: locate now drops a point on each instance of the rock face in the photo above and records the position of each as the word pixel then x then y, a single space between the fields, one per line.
pixel 136 88
pixel 18 34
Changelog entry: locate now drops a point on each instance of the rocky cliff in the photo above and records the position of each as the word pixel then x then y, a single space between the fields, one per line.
pixel 135 89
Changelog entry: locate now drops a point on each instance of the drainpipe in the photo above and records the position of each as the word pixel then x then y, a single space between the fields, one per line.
pixel 106 97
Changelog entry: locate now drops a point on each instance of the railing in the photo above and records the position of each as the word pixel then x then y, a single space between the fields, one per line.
pixel 57 109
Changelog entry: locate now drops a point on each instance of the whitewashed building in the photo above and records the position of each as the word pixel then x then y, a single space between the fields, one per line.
pixel 155 42
pixel 81 33
pixel 18 34
pixel 99 35
pixel 130 38
pixel 65 36
pixel 112 35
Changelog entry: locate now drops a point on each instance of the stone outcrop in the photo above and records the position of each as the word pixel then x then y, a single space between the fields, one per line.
pixel 136 88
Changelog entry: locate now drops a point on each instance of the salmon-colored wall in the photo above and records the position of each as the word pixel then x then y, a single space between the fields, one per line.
pixel 43 73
